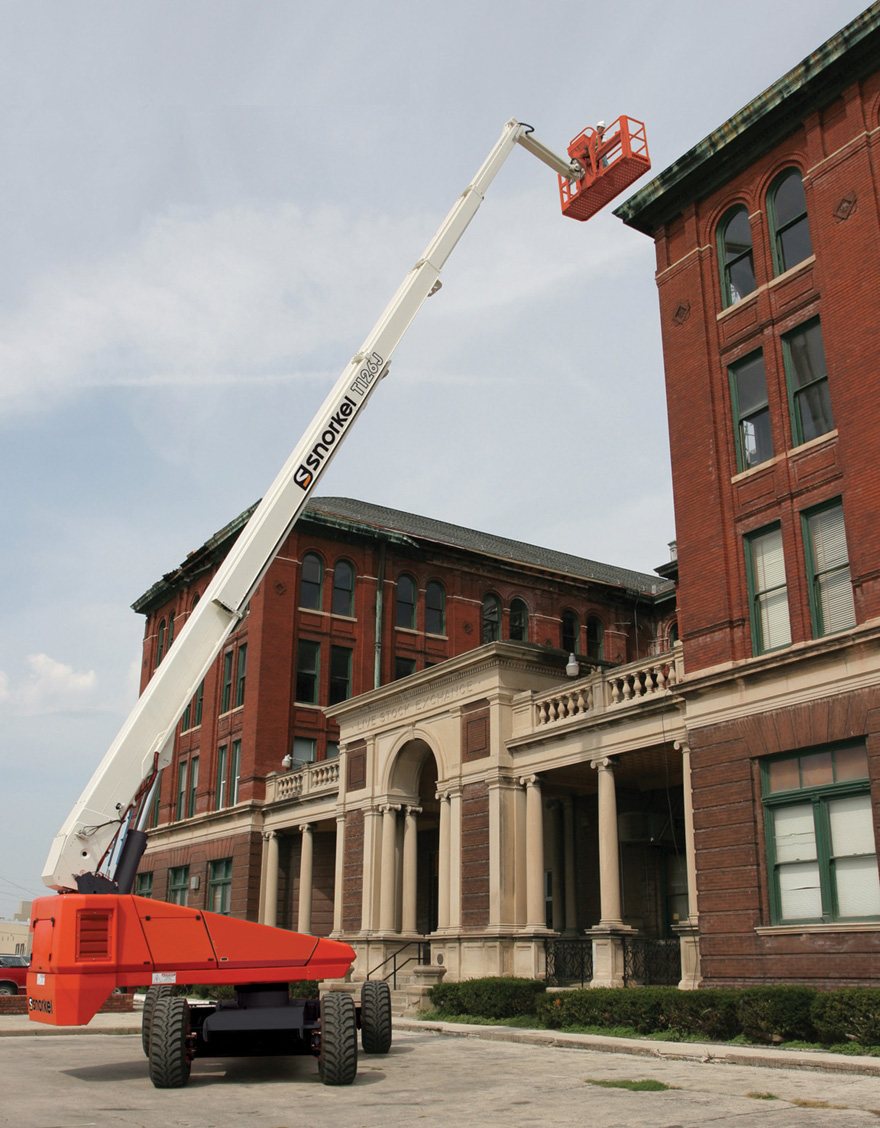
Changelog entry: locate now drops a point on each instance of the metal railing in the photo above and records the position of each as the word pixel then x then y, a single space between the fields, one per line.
pixel 651 962
pixel 568 961
pixel 421 956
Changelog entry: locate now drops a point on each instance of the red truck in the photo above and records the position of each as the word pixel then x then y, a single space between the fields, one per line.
pixel 13 974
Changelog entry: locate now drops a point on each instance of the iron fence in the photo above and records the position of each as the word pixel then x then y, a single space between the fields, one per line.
pixel 569 961
pixel 651 962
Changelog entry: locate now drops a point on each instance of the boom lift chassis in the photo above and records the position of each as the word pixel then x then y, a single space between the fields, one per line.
pixel 97 936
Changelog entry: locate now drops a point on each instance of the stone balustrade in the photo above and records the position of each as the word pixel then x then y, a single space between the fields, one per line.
pixel 313 779
pixel 599 691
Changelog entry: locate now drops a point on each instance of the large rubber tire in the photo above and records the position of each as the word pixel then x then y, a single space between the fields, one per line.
pixel 169 1061
pixel 337 1063
pixel 8 988
pixel 375 1017
pixel 152 996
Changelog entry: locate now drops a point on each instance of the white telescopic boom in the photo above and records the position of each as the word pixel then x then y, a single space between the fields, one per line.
pixel 146 739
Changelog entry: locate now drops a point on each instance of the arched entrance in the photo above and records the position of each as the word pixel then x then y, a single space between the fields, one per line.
pixel 412 793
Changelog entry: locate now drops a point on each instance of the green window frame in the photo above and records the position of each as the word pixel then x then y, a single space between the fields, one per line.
pixel 768 590
pixel 143 885
pixel 342 598
pixel 240 675
pixel 751 411
pixel 571 631
pixel 305 751
pixel 308 665
pixel 311 582
pixel 182 769
pixel 405 604
pixel 789 225
pixel 595 639
pixel 491 629
pixel 806 376
pixel 220 886
pixel 404 667
pixel 832 607
pixel 340 674
pixel 160 643
pixel 157 801
pixel 226 692
pixel 178 885
pixel 220 789
pixel 235 773
pixel 735 256
pixel 519 620
pixel 821 851
pixel 435 608
pixel 193 786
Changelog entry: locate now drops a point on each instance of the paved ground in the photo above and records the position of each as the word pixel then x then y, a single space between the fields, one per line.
pixel 476 1078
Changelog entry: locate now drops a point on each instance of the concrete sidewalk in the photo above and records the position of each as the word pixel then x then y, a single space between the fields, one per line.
pixel 715 1052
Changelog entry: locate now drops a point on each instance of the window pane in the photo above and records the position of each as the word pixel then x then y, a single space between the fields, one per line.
pixel 343 588
pixel 435 609
pixel 795 833
pixel 774 622
pixel 570 631
pixel 858 887
pixel 795 244
pixel 518 621
pixel 304 749
pixel 307 671
pixel 833 588
pixel 784 775
pixel 850 763
pixel 852 828
pixel 406 603
pixel 790 221
pixel 491 619
pixel 340 674
pixel 741 278
pixel 310 587
pixel 770 594
pixel 799 893
pixel 738 272
pixel 790 201
pixel 816 769
pixel 737 236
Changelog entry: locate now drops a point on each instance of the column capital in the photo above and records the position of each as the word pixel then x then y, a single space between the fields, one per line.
pixel 682 746
pixel 530 780
pixel 412 810
pixel 605 764
pixel 305 828
pixel 386 807
pixel 268 835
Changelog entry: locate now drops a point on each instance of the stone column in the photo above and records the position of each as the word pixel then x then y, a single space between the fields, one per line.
pixel 568 853
pixel 339 876
pixel 410 869
pixel 270 879
pixel 535 916
pixel 454 868
pixel 304 915
pixel 388 888
pixel 609 849
pixel 689 930
pixel 371 869
pixel 443 863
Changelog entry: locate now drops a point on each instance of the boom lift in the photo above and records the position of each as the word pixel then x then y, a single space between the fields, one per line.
pixel 97 935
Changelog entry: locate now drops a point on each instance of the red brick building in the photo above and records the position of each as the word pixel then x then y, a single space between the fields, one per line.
pixel 767 238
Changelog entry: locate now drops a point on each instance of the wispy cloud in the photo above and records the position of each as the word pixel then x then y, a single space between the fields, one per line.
pixel 48 687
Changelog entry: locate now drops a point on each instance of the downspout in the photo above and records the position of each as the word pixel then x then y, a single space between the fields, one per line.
pixel 380 589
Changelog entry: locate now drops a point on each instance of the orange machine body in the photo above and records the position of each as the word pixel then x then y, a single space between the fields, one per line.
pixel 614 157
pixel 85 945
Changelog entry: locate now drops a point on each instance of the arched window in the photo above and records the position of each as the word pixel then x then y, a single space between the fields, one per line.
pixel 491 618
pixel 170 632
pixel 673 633
pixel 406 603
pixel 312 582
pixel 595 638
pixel 343 589
pixel 435 609
pixel 570 632
pixel 787 211
pixel 160 642
pixel 519 621
pixel 735 255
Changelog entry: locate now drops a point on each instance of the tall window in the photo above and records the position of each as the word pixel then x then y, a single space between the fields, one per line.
pixel 790 229
pixel 240 672
pixel 831 595
pixel 235 772
pixel 182 771
pixel 226 692
pixel 157 801
pixel 820 836
pixel 220 886
pixel 807 377
pixel 170 632
pixel 220 789
pixel 311 582
pixel 143 885
pixel 199 698
pixel 519 621
pixel 160 643
pixel 343 589
pixel 178 885
pixel 595 638
pixel 735 255
pixel 768 592
pixel 405 615
pixel 570 632
pixel 305 750
pixel 340 674
pixel 751 412
pixel 193 786
pixel 491 618
pixel 435 609
pixel 308 656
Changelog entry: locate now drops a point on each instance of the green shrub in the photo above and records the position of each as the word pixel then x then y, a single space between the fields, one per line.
pixel 492 997
pixel 642 1008
pixel 779 1013
pixel 850 1014
pixel 710 1013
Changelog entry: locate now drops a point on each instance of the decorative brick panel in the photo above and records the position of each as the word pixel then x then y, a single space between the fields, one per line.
pixel 353 872
pixel 475 855
pixel 475 731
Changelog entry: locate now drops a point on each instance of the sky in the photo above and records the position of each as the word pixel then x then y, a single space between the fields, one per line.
pixel 204 207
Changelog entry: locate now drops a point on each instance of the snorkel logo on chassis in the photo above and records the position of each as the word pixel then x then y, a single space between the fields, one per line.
pixel 335 425
pixel 44 1005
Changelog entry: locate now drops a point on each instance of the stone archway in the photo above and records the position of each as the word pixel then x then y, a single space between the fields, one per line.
pixel 412 794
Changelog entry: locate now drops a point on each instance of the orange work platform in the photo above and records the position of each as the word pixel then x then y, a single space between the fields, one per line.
pixel 85 945
pixel 614 156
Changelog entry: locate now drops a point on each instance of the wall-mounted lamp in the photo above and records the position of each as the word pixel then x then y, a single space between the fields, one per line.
pixel 572 666
pixel 287 762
